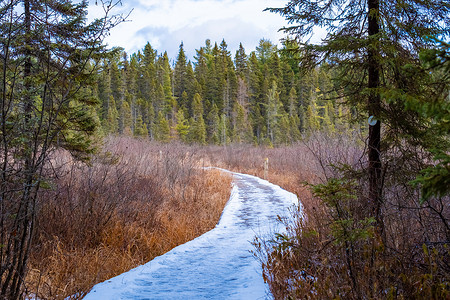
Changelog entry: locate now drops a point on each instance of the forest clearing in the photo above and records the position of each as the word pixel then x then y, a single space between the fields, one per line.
pixel 108 153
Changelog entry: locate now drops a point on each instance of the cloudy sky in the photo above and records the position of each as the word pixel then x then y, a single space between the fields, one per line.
pixel 167 23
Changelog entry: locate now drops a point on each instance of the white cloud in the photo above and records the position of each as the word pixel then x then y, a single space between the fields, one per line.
pixel 166 23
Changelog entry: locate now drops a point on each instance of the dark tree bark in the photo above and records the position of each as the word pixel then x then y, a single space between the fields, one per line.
pixel 374 106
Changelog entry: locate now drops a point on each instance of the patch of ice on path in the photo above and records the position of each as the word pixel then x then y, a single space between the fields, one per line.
pixel 216 265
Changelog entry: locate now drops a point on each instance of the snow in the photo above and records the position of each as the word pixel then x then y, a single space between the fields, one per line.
pixel 216 265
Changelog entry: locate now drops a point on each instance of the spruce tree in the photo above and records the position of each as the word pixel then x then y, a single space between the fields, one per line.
pixel 434 180
pixel 242 131
pixel 372 42
pixel 162 128
pixel 116 80
pixel 182 126
pixel 147 79
pixel 180 74
pixel 193 87
pixel 111 124
pixel 45 103
pixel 151 121
pixel 375 51
pixel 127 118
pixel 140 129
pixel 254 87
pixel 312 118
pixel 197 128
pixel 264 50
pixel 201 70
pixel 197 131
pixel 224 136
pixel 212 125
pixel 274 112
pixel 169 104
pixel 131 89
pixel 240 61
pixel 104 90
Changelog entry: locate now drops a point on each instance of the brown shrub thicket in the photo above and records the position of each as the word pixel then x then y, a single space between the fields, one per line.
pixel 334 251
pixel 134 201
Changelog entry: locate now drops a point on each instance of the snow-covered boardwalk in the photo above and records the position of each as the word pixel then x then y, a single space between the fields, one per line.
pixel 216 265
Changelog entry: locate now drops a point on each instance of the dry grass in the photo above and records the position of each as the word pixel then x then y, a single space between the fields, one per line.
pixel 141 199
pixel 334 253
pixel 289 167
pixel 132 203
pixel 137 200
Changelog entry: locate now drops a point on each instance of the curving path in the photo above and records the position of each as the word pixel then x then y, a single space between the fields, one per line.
pixel 216 265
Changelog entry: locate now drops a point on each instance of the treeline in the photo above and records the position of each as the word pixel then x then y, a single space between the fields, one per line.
pixel 259 98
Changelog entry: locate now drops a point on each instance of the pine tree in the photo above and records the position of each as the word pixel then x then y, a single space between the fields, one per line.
pixel 377 33
pixel 197 128
pixel 255 100
pixel 104 90
pixel 327 125
pixel 127 118
pixel 240 62
pixel 46 103
pixel 111 123
pixel 264 50
pixel 140 130
pixel 274 112
pixel 201 70
pixel 169 104
pixel 312 118
pixel 180 74
pixel 162 129
pixel 242 132
pixel 197 131
pixel 212 125
pixel 182 126
pixel 223 130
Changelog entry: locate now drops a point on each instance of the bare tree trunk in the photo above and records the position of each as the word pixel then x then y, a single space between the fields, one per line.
pixel 374 107
pixel 19 231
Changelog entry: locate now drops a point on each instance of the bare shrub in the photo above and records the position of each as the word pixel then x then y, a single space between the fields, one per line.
pixel 334 251
pixel 133 201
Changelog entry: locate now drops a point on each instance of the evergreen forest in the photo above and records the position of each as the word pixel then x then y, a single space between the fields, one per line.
pixel 256 98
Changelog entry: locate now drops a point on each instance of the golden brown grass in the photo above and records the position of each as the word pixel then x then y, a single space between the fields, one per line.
pixel 334 253
pixel 137 200
pixel 132 203
pixel 289 167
